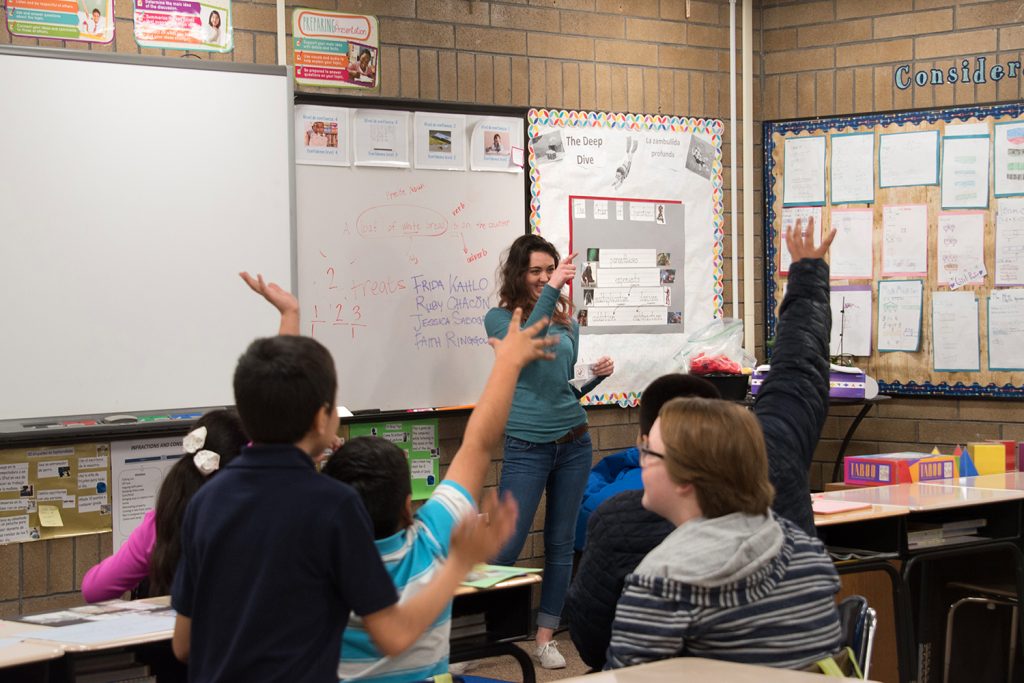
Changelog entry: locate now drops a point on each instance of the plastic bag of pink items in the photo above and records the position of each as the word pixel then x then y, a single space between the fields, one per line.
pixel 716 348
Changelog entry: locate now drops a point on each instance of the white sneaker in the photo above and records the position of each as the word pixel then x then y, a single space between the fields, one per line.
pixel 549 656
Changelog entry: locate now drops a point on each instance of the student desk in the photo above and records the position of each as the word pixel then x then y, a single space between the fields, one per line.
pixel 28 661
pixel 883 529
pixel 507 610
pixel 697 669
pixel 156 644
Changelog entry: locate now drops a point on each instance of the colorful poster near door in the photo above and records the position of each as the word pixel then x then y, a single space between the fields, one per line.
pixel 336 50
pixel 88 21
pixel 183 25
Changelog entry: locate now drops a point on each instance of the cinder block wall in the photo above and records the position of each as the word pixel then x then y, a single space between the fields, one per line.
pixel 839 57
pixel 818 58
pixel 644 56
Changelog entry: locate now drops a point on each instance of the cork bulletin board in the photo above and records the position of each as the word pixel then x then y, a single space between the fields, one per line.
pixel 916 371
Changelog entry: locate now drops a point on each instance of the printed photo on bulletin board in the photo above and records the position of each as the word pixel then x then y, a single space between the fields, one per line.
pixel 926 267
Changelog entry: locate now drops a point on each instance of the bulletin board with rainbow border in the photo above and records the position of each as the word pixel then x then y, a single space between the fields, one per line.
pixel 639 198
pixel 986 232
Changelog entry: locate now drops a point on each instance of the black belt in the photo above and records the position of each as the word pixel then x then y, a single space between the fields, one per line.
pixel 573 434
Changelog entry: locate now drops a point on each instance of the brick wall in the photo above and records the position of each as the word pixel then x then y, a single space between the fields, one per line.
pixel 818 58
pixel 838 57
pixel 642 56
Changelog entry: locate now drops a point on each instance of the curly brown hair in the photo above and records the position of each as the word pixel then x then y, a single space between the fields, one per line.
pixel 512 290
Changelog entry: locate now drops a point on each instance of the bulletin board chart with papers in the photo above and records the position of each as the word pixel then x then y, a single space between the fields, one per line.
pixel 927 266
pixel 639 199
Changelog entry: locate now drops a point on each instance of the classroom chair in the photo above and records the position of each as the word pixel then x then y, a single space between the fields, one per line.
pixel 858 622
pixel 991 597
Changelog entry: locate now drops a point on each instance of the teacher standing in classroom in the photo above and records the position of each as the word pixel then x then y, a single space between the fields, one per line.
pixel 547 442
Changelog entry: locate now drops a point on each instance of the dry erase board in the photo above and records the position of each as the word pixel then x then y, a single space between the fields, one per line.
pixel 132 191
pixel 928 265
pixel 397 264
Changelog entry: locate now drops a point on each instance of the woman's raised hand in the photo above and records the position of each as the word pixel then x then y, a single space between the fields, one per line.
pixel 565 272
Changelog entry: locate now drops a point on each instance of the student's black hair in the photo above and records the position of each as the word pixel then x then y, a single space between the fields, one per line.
pixel 280 385
pixel 667 387
pixel 378 470
pixel 225 437
pixel 364 51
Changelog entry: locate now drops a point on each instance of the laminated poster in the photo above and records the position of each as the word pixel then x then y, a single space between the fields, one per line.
pixel 419 440
pixel 183 25
pixel 321 135
pixel 440 141
pixel 336 50
pixel 89 21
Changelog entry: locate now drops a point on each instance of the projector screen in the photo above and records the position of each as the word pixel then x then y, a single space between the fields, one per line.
pixel 132 191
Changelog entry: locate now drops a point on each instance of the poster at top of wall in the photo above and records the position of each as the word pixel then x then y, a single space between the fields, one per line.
pixel 184 25
pixel 336 50
pixel 88 21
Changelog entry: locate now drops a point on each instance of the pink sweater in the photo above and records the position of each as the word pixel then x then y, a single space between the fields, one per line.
pixel 123 570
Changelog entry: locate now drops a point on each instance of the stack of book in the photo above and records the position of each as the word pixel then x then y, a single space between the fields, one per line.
pixel 930 535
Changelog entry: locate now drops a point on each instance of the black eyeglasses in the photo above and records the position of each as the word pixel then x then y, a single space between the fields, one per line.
pixel 646 452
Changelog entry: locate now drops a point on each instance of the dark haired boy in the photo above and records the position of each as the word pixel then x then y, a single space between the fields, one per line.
pixel 275 556
pixel 791 408
pixel 414 546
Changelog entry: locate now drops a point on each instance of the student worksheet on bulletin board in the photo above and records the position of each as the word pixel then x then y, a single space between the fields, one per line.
pixel 927 266
pixel 402 218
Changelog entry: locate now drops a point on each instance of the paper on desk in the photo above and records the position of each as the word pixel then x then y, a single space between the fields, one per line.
pixel 130 626
pixel 487 575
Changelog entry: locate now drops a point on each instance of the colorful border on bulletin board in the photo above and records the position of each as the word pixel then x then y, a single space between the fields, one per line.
pixel 771 128
pixel 629 399
pixel 713 128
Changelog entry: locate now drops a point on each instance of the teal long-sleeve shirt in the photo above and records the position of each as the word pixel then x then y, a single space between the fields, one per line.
pixel 545 405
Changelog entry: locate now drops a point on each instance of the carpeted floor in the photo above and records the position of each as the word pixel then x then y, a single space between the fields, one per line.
pixel 507 669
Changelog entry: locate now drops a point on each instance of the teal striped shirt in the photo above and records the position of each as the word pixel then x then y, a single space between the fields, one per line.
pixel 412 557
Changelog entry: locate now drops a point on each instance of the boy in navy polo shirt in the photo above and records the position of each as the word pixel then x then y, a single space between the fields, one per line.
pixel 274 556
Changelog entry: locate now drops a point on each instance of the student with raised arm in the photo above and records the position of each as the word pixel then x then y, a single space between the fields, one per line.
pixel 733 580
pixel 275 556
pixel 414 546
pixel 791 408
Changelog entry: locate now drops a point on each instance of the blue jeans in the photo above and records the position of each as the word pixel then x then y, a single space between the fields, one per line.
pixel 528 469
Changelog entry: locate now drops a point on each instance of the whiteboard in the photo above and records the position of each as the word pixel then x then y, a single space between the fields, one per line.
pixel 132 191
pixel 396 271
